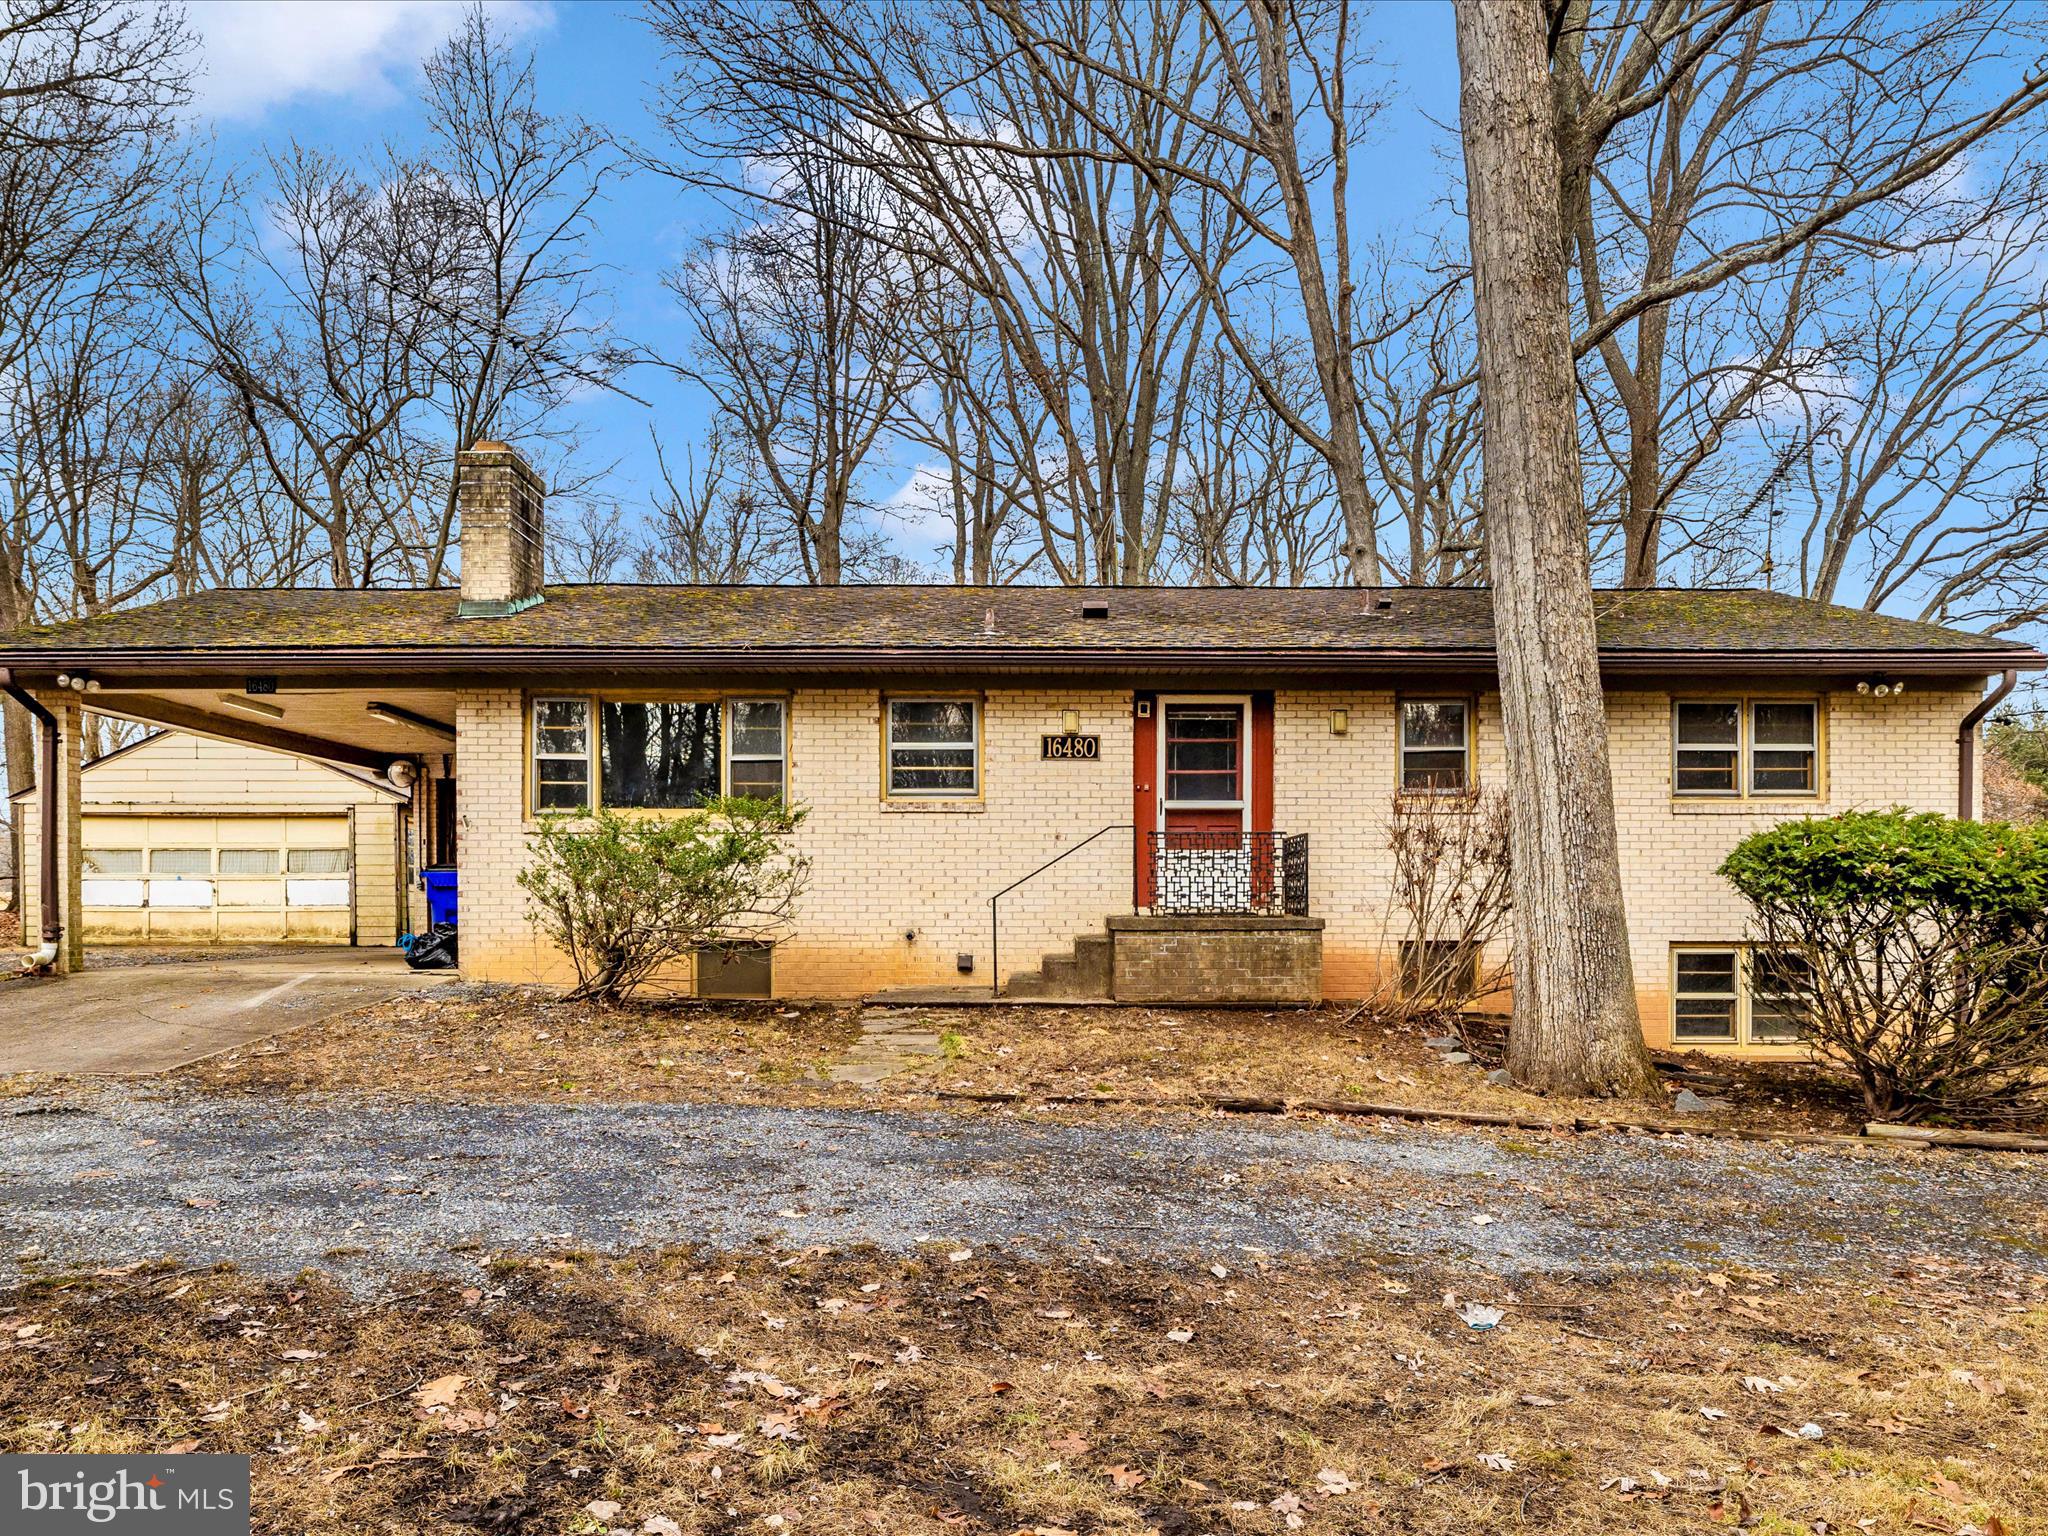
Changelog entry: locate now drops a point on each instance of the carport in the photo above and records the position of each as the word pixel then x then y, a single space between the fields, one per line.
pixel 403 736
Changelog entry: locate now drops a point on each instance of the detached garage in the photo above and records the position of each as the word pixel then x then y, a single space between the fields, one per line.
pixel 190 840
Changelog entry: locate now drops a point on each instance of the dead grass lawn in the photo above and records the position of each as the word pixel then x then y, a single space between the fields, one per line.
pixel 513 1043
pixel 957 1392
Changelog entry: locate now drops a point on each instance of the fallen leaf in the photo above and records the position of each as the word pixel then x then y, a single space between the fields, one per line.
pixel 1496 1461
pixel 602 1509
pixel 441 1392
pixel 1180 1335
pixel 1126 1478
pixel 1334 1484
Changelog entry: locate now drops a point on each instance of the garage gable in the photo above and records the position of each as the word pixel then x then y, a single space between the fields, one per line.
pixel 195 773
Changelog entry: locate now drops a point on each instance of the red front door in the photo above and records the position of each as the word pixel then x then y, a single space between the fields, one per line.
pixel 1202 772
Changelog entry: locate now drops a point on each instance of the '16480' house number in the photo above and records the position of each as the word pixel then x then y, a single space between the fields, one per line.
pixel 1070 747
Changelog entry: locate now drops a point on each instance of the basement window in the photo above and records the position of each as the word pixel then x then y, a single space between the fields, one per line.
pixel 1735 994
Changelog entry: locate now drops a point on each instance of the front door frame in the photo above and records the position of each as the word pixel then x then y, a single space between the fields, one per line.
pixel 1148 770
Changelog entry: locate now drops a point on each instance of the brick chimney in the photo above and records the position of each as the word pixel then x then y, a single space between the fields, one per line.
pixel 499 500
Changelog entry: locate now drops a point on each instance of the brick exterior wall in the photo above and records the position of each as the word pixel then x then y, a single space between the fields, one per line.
pixel 899 889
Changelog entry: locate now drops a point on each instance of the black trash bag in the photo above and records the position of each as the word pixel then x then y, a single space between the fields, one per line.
pixel 433 950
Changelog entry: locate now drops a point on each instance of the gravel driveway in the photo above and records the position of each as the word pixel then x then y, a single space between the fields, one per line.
pixel 372 1188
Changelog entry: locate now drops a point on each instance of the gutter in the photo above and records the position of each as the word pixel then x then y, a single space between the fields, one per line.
pixel 1966 744
pixel 46 851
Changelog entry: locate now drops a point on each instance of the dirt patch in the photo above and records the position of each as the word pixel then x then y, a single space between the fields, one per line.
pixel 968 1390
pixel 519 1042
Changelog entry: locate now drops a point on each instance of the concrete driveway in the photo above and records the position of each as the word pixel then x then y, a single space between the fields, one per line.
pixel 128 1018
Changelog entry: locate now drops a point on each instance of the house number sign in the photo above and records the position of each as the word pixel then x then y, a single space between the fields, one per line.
pixel 1070 747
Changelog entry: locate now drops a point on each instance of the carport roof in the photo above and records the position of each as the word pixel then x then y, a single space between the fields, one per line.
pixel 1064 628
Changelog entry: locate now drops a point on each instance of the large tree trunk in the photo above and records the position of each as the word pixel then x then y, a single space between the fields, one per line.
pixel 1575 1026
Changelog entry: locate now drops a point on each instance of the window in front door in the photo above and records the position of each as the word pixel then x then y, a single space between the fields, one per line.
pixel 1204 765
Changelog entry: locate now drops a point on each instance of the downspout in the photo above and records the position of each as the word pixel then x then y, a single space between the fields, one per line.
pixel 1966 744
pixel 46 794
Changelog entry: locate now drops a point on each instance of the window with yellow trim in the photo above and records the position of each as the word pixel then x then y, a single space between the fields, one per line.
pixel 655 754
pixel 1735 994
pixel 1728 748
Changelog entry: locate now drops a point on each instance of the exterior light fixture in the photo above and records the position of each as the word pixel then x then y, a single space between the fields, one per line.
pixel 1340 722
pixel 252 706
pixel 1070 722
pixel 392 714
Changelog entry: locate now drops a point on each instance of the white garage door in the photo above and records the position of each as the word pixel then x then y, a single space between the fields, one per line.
pixel 217 878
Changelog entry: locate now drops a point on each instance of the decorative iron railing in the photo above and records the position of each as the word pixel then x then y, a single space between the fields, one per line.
pixel 1221 873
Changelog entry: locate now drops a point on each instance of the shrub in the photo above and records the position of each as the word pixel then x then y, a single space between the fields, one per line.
pixel 1913 949
pixel 1452 902
pixel 623 896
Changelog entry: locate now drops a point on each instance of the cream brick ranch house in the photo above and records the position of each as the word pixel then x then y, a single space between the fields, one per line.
pixel 1147 793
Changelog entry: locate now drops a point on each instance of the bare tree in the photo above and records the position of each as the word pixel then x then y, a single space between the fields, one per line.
pixel 88 93
pixel 1419 409
pixel 1003 177
pixel 1576 1028
pixel 801 324
pixel 302 305
pixel 712 521
pixel 1252 505
pixel 1717 157
pixel 1920 440
pixel 521 322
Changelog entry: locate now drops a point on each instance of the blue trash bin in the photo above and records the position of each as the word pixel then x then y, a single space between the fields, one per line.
pixel 440 884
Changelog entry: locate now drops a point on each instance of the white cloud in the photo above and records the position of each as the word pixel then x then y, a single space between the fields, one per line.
pixel 261 54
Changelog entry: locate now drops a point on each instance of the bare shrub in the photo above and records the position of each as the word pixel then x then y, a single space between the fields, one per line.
pixel 1449 908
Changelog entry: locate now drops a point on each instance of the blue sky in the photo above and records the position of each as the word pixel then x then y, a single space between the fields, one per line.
pixel 345 74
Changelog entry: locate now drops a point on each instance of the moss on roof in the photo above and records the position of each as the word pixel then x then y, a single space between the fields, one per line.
pixel 1029 621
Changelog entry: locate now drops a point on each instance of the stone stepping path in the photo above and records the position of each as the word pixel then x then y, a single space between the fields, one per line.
pixel 892 1041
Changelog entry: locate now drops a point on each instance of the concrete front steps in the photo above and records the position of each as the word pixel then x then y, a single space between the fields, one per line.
pixel 1194 959
pixel 1080 974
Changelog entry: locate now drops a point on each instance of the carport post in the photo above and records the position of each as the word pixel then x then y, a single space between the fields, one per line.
pixel 58 832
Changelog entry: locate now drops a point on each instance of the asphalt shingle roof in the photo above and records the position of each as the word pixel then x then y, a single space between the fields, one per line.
pixel 1042 623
